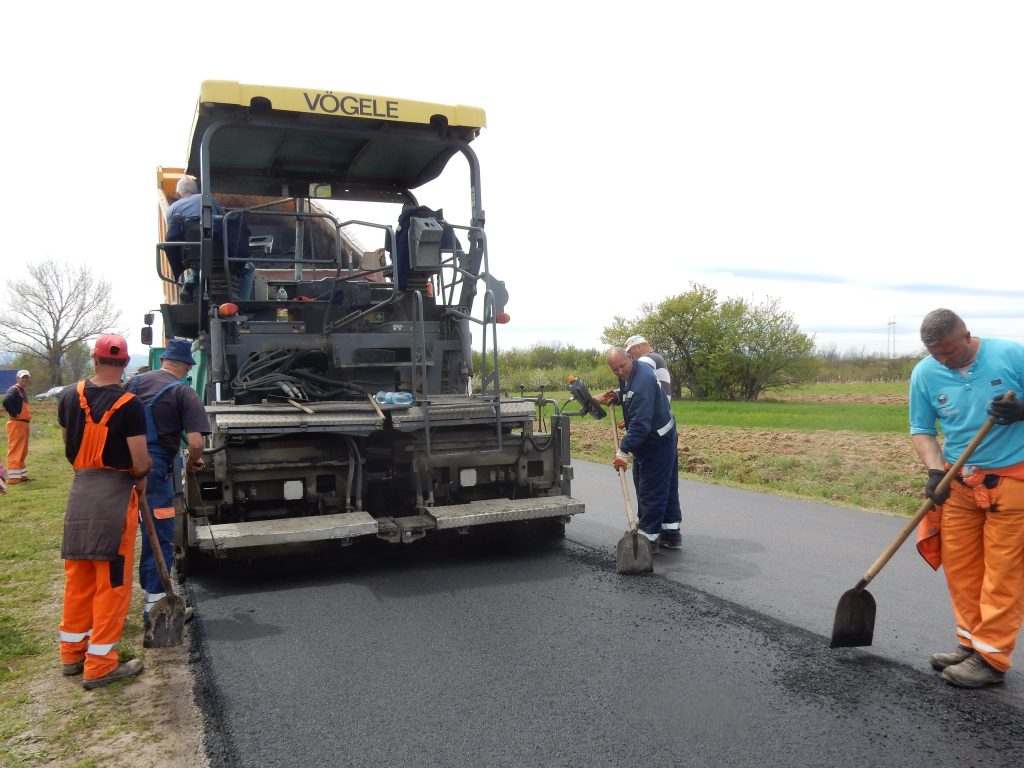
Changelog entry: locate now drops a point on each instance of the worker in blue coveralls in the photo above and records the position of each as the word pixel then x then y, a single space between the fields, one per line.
pixel 651 439
pixel 173 411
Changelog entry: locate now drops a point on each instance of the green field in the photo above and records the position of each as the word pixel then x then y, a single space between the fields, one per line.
pixel 768 414
pixel 829 414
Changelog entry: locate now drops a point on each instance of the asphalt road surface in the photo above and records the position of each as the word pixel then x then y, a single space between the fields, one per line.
pixel 510 650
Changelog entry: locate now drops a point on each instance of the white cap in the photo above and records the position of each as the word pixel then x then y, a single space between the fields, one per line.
pixel 23 372
pixel 632 341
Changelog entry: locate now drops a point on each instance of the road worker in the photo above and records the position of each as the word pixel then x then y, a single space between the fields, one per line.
pixel 173 409
pixel 651 439
pixel 16 405
pixel 640 349
pixel 104 431
pixel 977 532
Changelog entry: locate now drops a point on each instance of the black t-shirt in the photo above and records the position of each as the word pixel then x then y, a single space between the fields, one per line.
pixel 178 410
pixel 128 421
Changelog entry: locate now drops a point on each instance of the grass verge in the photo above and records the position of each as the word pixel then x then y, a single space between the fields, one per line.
pixel 45 718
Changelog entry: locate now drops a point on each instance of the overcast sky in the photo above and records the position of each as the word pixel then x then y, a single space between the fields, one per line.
pixel 861 161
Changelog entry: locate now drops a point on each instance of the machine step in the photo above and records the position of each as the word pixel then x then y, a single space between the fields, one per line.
pixel 292 530
pixel 504 510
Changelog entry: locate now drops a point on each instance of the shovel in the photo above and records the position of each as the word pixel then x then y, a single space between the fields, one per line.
pixel 167 616
pixel 854 624
pixel 633 552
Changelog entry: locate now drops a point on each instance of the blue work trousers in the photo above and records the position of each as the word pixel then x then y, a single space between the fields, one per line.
pixel 159 496
pixel 656 477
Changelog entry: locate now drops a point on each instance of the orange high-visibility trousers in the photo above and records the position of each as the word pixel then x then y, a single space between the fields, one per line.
pixel 97 594
pixel 983 557
pixel 17 450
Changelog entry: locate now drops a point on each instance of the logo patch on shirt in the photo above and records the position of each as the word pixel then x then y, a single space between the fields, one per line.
pixel 996 382
pixel 943 398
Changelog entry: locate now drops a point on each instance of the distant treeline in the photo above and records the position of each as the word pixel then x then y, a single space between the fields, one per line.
pixel 858 365
pixel 548 367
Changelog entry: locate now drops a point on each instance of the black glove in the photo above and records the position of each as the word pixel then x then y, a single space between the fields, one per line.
pixel 934 478
pixel 1006 410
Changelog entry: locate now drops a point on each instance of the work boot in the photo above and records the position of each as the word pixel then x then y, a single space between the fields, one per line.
pixel 74 668
pixel 123 671
pixel 972 673
pixel 942 660
pixel 671 540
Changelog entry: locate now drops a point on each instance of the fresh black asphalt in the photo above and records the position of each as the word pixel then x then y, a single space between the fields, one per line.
pixel 511 650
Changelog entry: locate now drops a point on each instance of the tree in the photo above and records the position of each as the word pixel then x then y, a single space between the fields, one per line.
pixel 55 311
pixel 722 350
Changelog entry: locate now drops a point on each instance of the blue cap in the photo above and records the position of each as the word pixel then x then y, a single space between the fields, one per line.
pixel 179 350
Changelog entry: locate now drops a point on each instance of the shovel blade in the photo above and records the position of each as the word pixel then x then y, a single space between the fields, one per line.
pixel 633 554
pixel 166 623
pixel 854 625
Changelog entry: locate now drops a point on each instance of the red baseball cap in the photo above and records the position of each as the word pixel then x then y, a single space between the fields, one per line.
pixel 111 345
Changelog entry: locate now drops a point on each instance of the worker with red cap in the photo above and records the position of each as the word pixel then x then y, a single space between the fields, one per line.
pixel 104 431
pixel 16 405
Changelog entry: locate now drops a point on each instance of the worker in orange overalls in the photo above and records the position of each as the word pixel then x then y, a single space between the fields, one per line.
pixel 104 430
pixel 16 405
pixel 980 520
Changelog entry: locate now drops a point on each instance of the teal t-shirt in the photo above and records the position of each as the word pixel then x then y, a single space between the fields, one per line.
pixel 959 403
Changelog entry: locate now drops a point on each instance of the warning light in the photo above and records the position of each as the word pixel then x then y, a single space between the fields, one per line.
pixel 227 310
pixel 502 317
pixel 571 378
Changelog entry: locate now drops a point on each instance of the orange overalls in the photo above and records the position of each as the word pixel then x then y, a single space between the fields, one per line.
pixel 981 548
pixel 17 444
pixel 97 593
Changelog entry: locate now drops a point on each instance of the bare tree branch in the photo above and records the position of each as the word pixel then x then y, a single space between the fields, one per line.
pixel 57 307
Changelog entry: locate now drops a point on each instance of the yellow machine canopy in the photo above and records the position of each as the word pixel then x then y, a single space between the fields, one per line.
pixel 275 141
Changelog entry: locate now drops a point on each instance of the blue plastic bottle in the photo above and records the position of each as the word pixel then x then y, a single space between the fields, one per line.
pixel 393 398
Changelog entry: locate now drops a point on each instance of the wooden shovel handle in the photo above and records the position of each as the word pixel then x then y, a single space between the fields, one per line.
pixel 622 476
pixel 154 543
pixel 928 503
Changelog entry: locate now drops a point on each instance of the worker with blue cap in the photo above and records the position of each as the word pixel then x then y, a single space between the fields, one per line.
pixel 174 415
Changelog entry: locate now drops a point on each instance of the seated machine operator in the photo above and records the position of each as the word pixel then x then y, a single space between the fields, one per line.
pixel 189 207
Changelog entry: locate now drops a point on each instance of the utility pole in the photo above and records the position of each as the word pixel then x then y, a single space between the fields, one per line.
pixel 891 339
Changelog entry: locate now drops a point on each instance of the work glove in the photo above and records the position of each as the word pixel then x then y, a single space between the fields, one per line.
pixel 611 397
pixel 934 478
pixel 1006 410
pixel 621 460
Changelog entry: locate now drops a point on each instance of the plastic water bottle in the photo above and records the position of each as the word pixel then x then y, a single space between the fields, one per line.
pixel 282 312
pixel 393 398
